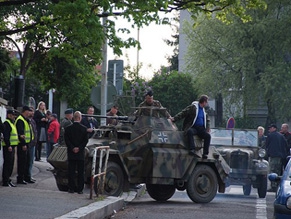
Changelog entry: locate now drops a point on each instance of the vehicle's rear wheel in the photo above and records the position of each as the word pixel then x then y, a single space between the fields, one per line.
pixel 63 188
pixel 114 180
pixel 247 189
pixel 61 180
pixel 202 184
pixel 160 192
pixel 262 189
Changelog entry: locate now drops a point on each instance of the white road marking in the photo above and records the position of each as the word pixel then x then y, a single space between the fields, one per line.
pixel 261 208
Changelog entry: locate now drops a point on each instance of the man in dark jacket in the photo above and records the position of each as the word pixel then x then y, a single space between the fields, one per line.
pixel 76 140
pixel 90 122
pixel 276 147
pixel 10 142
pixel 196 122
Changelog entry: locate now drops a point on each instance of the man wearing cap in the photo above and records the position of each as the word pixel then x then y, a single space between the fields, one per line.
pixel 65 123
pixel 24 136
pixel 145 107
pixel 10 141
pixel 53 133
pixel 276 147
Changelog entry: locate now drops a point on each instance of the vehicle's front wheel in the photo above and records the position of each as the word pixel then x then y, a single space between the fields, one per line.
pixel 160 192
pixel 114 180
pixel 262 189
pixel 247 189
pixel 202 184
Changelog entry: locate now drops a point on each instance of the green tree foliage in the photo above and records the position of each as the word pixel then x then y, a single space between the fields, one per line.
pixel 173 89
pixel 74 31
pixel 248 63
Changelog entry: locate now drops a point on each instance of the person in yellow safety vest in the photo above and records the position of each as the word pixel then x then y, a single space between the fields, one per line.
pixel 24 136
pixel 10 141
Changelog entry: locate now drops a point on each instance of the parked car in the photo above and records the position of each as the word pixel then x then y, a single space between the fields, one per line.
pixel 282 203
pixel 240 150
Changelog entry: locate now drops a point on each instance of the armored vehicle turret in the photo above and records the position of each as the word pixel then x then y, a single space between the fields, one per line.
pixel 150 150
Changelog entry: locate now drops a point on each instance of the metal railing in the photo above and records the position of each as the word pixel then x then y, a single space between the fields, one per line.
pixel 101 174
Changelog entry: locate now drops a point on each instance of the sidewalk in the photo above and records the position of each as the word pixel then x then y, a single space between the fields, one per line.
pixel 43 199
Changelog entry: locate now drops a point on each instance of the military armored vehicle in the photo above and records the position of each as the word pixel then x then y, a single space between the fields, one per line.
pixel 149 150
pixel 240 150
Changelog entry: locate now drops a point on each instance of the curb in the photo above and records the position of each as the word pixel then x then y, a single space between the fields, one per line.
pixel 105 208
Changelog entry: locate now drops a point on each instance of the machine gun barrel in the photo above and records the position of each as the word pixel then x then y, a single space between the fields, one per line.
pixel 109 117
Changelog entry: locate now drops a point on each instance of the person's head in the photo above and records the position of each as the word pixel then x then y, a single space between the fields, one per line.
pixel 284 128
pixel 31 113
pixel 11 114
pixel 77 116
pixel 69 113
pixel 114 110
pixel 90 110
pixel 48 114
pixel 203 100
pixel 53 116
pixel 26 111
pixel 272 128
pixel 149 97
pixel 41 106
pixel 261 130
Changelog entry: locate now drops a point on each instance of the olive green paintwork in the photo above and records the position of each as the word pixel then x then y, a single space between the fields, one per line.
pixel 239 148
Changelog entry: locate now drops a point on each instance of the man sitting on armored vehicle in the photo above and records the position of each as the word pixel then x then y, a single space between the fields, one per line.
pixel 144 108
pixel 196 122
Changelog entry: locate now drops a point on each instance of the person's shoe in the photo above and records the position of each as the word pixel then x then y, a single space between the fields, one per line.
pixel 70 191
pixel 11 184
pixel 6 184
pixel 29 181
pixel 204 156
pixel 33 179
pixel 37 159
pixel 21 182
pixel 80 192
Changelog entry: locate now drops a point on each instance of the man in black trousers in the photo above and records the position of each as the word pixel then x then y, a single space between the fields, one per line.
pixel 76 139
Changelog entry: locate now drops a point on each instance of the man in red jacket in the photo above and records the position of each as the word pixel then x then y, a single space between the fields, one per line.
pixel 53 133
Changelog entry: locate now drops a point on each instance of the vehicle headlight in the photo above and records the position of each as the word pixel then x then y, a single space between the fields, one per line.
pixel 262 153
pixel 288 203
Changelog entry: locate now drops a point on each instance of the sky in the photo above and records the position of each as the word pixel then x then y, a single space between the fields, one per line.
pixel 153 51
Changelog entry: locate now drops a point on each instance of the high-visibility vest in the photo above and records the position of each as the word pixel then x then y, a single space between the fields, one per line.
pixel 27 131
pixel 13 134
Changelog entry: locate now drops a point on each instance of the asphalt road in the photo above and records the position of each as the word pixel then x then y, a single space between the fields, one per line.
pixel 231 205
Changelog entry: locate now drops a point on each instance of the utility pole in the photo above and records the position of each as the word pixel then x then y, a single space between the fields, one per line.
pixel 104 77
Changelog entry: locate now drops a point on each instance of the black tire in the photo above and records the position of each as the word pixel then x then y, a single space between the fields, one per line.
pixel 160 192
pixel 61 178
pixel 202 184
pixel 247 189
pixel 114 180
pixel 262 189
pixel 63 188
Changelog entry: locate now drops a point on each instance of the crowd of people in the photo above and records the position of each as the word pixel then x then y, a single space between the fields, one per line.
pixel 278 147
pixel 31 129
pixel 27 132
